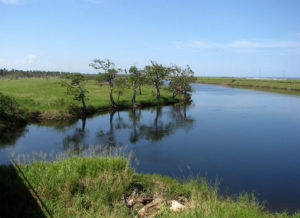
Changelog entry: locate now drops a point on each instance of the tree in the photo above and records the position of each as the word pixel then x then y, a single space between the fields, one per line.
pixel 180 81
pixel 137 79
pixel 156 73
pixel 108 75
pixel 120 84
pixel 75 87
pixel 141 81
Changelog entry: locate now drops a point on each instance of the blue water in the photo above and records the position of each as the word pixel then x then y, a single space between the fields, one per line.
pixel 247 140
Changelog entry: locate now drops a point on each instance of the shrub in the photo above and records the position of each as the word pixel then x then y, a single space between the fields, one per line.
pixel 10 112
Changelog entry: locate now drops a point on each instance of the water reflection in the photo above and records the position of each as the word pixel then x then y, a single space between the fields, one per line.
pixel 164 122
pixel 134 116
pixel 74 141
pixel 161 128
pixel 9 136
pixel 108 137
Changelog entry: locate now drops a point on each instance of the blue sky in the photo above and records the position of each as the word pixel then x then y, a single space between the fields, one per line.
pixel 216 38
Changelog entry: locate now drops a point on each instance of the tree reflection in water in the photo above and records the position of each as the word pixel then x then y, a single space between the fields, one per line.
pixel 165 122
pixel 74 142
pixel 134 116
pixel 9 135
pixel 175 118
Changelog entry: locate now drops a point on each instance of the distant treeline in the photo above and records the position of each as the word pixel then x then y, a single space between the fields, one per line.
pixel 14 74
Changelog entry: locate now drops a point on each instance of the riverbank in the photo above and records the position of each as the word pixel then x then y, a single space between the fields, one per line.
pixel 46 99
pixel 109 187
pixel 281 86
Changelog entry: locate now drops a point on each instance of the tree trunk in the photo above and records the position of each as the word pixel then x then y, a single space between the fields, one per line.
pixel 140 90
pixel 83 104
pixel 134 92
pixel 119 93
pixel 157 93
pixel 158 113
pixel 82 100
pixel 112 102
pixel 83 124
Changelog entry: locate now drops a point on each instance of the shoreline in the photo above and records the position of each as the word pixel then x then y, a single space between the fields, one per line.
pixel 41 116
pixel 291 87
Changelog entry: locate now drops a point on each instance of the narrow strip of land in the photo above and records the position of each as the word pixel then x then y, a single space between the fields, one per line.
pixel 47 99
pixel 286 86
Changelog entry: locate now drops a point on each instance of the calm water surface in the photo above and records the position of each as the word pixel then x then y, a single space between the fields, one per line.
pixel 247 140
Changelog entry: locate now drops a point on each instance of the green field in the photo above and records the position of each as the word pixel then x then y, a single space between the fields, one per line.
pixel 281 86
pixel 47 99
pixel 94 186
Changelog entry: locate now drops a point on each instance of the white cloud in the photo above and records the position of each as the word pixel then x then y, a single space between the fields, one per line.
pixel 240 44
pixel 11 2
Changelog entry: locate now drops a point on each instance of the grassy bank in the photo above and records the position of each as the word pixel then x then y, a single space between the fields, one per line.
pixel 97 187
pixel 281 86
pixel 46 99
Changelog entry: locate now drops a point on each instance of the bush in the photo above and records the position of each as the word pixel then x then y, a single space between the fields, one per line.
pixel 10 112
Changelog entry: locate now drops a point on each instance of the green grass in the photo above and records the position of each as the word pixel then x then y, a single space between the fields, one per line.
pixel 48 99
pixel 281 86
pixel 94 186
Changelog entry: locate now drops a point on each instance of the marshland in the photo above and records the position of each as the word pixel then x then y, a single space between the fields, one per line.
pixel 220 144
pixel 112 108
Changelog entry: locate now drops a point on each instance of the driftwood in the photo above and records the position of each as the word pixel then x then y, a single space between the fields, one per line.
pixel 132 199
pixel 150 207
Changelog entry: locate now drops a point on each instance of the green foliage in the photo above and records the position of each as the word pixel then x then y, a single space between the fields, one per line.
pixel 76 78
pixel 137 79
pixel 108 75
pixel 120 85
pixel 10 112
pixel 109 72
pixel 76 88
pixel 156 73
pixel 103 77
pixel 180 81
pixel 134 74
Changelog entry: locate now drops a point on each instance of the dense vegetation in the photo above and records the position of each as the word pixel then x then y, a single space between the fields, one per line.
pixel 288 85
pixel 10 112
pixel 73 94
pixel 108 187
